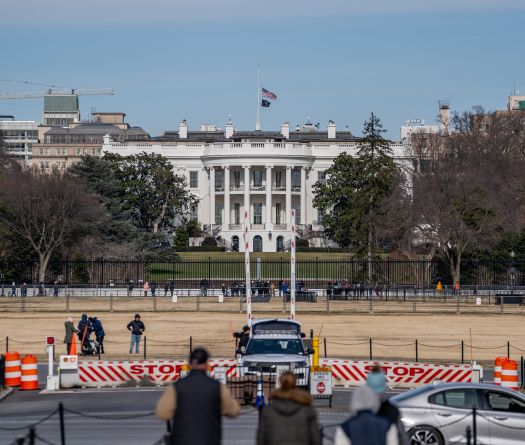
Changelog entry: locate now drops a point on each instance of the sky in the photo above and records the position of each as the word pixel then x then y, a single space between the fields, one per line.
pixel 328 60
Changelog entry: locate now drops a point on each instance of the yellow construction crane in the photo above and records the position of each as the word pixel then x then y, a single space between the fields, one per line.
pixel 52 90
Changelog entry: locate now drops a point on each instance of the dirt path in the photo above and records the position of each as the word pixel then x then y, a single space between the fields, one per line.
pixel 168 334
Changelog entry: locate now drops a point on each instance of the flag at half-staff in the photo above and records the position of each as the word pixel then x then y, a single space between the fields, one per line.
pixel 267 97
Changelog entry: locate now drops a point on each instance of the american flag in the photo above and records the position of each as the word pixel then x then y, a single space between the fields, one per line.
pixel 268 94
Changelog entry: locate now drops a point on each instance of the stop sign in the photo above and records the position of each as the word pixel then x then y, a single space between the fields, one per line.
pixel 321 387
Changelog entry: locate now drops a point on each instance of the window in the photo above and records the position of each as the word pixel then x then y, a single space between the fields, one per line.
pixel 321 177
pixel 498 401
pixel 237 213
pixel 278 213
pixel 257 212
pixel 257 178
pixel 297 209
pixel 279 243
pixel 79 151
pixel 257 243
pixel 236 179
pixel 194 180
pixel 194 212
pixel 278 179
pixel 218 214
pixel 464 398
pixel 235 243
pixel 296 179
pixel 219 181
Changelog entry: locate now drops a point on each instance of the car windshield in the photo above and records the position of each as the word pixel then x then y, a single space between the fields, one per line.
pixel 275 346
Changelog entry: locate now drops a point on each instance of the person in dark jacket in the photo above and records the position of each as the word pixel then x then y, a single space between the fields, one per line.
pixel 365 426
pixel 166 288
pixel 136 327
pixel 98 329
pixel 84 330
pixel 172 288
pixel 195 405
pixel 70 331
pixel 290 418
pixel 376 380
pixel 245 337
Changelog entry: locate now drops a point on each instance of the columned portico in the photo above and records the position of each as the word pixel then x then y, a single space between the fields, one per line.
pixel 269 222
pixel 226 196
pixel 288 215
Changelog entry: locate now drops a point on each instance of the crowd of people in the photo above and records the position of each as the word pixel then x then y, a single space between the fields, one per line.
pixel 84 330
pixel 195 404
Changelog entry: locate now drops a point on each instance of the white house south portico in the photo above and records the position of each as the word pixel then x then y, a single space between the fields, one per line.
pixel 265 172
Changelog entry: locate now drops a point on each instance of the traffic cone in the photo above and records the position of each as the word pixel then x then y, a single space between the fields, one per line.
pixel 73 349
pixel 259 399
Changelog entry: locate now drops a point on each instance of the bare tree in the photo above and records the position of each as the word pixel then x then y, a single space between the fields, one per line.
pixel 48 211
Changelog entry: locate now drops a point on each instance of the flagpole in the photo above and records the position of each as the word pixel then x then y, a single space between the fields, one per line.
pixel 247 277
pixel 258 123
pixel 292 268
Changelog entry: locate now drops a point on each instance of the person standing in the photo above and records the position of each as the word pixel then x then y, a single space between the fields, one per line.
pixel 13 289
pixel 55 289
pixel 166 288
pixel 172 288
pixel 136 327
pixel 290 417
pixel 153 288
pixel 130 288
pixel 146 288
pixel 70 331
pixel 195 405
pixel 98 329
pixel 365 426
pixel 23 290
pixel 84 330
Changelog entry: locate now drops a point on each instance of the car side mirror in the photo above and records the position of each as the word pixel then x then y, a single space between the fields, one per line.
pixel 303 335
pixel 310 351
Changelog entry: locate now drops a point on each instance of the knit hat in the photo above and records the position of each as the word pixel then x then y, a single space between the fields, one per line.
pixel 377 382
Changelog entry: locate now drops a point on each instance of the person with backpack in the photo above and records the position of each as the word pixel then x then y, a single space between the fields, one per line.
pixel 365 426
pixel 98 329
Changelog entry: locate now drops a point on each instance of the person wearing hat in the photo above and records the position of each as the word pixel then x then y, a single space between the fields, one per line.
pixel 376 380
pixel 195 405
pixel 136 327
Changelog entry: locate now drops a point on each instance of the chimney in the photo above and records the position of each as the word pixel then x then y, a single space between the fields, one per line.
pixel 444 118
pixel 331 129
pixel 183 129
pixel 285 130
pixel 229 130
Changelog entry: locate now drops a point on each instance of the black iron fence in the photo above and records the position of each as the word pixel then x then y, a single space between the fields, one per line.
pixel 316 273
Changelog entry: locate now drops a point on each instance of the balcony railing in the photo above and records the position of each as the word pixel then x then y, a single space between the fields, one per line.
pixel 257 188
pixel 279 188
pixel 219 188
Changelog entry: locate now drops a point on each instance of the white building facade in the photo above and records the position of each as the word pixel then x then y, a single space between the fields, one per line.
pixel 265 173
pixel 19 137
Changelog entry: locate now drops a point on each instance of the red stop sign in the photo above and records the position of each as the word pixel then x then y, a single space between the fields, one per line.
pixel 321 387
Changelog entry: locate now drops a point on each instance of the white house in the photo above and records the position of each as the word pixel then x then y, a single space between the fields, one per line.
pixel 268 173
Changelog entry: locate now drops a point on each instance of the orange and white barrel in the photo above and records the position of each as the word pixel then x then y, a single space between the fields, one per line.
pixel 29 378
pixel 498 363
pixel 509 374
pixel 12 369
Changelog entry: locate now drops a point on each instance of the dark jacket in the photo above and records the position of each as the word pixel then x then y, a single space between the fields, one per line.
pixel 70 330
pixel 366 427
pixel 392 415
pixel 136 327
pixel 289 420
pixel 97 328
pixel 197 419
pixel 82 324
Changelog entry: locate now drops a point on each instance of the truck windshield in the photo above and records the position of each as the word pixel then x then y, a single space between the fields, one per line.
pixel 275 346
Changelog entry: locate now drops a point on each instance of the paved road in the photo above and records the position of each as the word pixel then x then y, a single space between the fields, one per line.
pixel 23 408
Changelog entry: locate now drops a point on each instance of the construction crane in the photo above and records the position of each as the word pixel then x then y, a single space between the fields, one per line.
pixel 53 90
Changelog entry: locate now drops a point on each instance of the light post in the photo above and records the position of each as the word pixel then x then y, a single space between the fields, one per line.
pixel 512 271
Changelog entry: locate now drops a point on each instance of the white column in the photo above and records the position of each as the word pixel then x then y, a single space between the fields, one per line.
pixel 288 196
pixel 226 221
pixel 246 188
pixel 269 222
pixel 212 195
pixel 303 196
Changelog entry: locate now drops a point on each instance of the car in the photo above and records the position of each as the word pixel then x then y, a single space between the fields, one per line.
pixel 276 343
pixel 440 414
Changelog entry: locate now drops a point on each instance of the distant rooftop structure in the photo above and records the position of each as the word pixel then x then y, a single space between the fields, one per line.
pixel 61 104
pixel 516 103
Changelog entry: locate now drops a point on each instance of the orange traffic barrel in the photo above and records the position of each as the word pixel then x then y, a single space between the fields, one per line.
pixel 498 363
pixel 29 373
pixel 509 374
pixel 12 369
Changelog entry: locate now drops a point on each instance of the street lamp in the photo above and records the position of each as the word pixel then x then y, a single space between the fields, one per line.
pixel 512 271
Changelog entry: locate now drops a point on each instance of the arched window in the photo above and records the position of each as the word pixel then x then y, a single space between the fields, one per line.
pixel 257 244
pixel 279 243
pixel 235 243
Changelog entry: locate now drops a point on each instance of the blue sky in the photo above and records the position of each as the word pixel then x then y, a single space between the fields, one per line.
pixel 334 59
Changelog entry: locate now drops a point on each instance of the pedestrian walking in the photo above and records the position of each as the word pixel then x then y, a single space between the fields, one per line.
pixel 172 288
pixel 153 288
pixel 376 380
pixel 224 290
pixel 272 290
pixel 146 288
pixel 166 288
pixel 23 290
pixel 204 287
pixel 290 418
pixel 195 405
pixel 55 289
pixel 130 288
pixel 70 331
pixel 13 289
pixel 456 288
pixel 98 329
pixel 136 327
pixel 365 426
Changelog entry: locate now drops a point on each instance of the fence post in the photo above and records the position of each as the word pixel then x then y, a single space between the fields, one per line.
pixel 31 437
pixel 502 301
pixel 111 303
pixel 508 349
pixel 67 301
pixel 7 344
pixel 145 346
pixel 62 426
pixel 2 369
pixel 462 352
pixel 417 352
pixel 198 300
pixel 468 434
pixel 370 348
pixel 522 370
pixel 155 302
pixel 474 427
pixel 325 356
pixel 327 302
pixel 191 344
pixel 370 304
